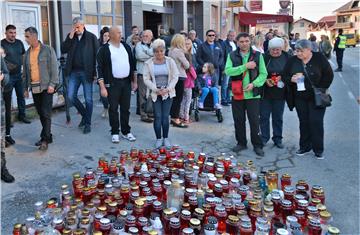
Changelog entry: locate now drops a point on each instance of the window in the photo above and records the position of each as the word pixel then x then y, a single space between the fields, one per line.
pixel 118 7
pixel 75 5
pixel 105 7
pixel 90 6
pixel 302 24
pixel 215 18
pixel 106 20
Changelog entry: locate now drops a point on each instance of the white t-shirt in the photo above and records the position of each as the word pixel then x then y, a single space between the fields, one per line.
pixel 119 61
pixel 233 45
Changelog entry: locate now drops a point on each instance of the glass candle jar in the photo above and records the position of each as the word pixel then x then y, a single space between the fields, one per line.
pixel 246 229
pixel 285 181
pixel 185 219
pixel 195 225
pixel 174 226
pixel 286 209
pixel 220 214
pixel 314 227
pixel 272 180
pixel 232 225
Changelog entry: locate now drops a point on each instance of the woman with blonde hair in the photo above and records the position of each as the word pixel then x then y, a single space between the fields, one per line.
pixel 287 47
pixel 177 52
pixel 258 43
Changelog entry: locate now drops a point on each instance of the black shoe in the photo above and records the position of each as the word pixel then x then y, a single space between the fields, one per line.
pixel 147 120
pixel 279 145
pixel 24 120
pixel 9 139
pixel 41 140
pixel 87 129
pixel 6 176
pixel 11 125
pixel 7 144
pixel 82 123
pixel 302 152
pixel 319 156
pixel 239 148
pixel 43 146
pixel 259 151
pixel 338 70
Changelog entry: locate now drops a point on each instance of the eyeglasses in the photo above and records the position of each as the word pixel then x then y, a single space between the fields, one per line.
pixel 211 35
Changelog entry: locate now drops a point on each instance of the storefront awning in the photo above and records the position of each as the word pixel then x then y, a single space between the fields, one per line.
pixel 246 18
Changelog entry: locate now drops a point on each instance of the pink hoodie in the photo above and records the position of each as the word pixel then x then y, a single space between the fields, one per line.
pixel 190 78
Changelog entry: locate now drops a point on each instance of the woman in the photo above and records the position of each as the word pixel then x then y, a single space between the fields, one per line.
pixel 325 46
pixel 314 45
pixel 258 43
pixel 160 77
pixel 301 71
pixel 287 47
pixel 273 98
pixel 177 52
pixel 104 38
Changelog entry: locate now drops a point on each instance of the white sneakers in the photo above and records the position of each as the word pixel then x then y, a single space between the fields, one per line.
pixel 218 106
pixel 201 105
pixel 162 142
pixel 116 139
pixel 158 143
pixel 167 143
pixel 104 113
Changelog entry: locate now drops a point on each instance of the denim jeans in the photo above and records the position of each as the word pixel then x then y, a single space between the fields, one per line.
pixel 225 93
pixel 17 84
pixel 75 80
pixel 276 109
pixel 161 116
pixel 205 91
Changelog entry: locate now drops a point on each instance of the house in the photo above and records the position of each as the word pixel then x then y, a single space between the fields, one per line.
pixel 348 18
pixel 325 26
pixel 302 26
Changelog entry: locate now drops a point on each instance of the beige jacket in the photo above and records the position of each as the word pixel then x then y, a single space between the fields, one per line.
pixel 181 62
pixel 149 78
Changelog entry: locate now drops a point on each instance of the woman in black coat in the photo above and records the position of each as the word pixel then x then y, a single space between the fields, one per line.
pixel 302 71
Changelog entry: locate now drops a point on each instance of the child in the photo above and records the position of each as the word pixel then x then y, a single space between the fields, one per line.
pixel 188 86
pixel 208 84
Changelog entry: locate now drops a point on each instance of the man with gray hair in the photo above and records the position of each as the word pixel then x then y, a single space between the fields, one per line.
pixel 230 46
pixel 143 52
pixel 196 42
pixel 81 47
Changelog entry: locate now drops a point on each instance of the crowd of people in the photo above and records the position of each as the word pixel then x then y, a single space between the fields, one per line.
pixel 254 74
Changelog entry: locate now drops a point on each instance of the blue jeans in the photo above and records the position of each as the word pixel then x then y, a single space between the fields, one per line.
pixel 205 91
pixel 75 80
pixel 17 84
pixel 225 93
pixel 161 117
pixel 276 109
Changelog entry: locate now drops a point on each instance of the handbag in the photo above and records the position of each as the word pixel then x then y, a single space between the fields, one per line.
pixel 149 105
pixel 322 98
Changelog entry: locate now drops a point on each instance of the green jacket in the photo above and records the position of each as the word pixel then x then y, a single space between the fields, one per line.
pixel 236 71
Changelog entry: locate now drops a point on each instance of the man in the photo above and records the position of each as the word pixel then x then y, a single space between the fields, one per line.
pixel 230 46
pixel 268 37
pixel 339 48
pixel 134 31
pixel 294 40
pixel 115 69
pixel 210 52
pixel 168 38
pixel 143 52
pixel 81 47
pixel 14 50
pixel 247 71
pixel 41 77
pixel 4 80
pixel 196 42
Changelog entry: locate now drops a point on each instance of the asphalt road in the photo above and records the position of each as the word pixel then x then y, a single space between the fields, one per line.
pixel 40 175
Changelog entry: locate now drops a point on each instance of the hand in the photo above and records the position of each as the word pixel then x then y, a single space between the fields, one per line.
pixel 72 32
pixel 249 87
pixel 159 92
pixel 50 90
pixel 134 86
pixel 250 65
pixel 103 92
pixel 294 78
pixel 1 76
pixel 269 82
pixel 26 94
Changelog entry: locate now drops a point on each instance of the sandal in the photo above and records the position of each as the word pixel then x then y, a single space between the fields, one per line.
pixel 180 125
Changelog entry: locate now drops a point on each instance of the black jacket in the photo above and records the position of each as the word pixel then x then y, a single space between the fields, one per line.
pixel 319 71
pixel 204 55
pixel 89 55
pixel 104 66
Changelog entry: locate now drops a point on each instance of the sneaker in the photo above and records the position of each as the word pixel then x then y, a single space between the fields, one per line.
pixel 217 106
pixel 6 176
pixel 319 156
pixel 82 123
pixel 115 139
pixel 239 148
pixel 9 139
pixel 259 151
pixel 302 152
pixel 130 137
pixel 158 143
pixel 87 129
pixel 338 70
pixel 167 143
pixel 104 113
pixel 279 145
pixel 201 105
pixel 44 146
pixel 41 140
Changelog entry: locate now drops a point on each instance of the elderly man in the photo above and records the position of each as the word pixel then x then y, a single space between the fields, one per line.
pixel 196 42
pixel 115 69
pixel 134 31
pixel 41 76
pixel 81 47
pixel 143 52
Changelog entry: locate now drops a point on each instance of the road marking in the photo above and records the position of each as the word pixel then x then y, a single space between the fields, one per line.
pixel 354 65
pixel 340 75
pixel 343 81
pixel 351 96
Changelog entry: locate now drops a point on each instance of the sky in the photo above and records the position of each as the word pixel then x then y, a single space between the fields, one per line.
pixel 312 10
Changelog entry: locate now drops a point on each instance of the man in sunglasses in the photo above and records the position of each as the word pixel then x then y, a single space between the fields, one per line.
pixel 210 52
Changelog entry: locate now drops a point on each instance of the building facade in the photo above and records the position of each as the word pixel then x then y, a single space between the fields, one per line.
pixel 302 26
pixel 348 18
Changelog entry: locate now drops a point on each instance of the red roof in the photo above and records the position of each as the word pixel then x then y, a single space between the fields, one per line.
pixel 327 19
pixel 246 18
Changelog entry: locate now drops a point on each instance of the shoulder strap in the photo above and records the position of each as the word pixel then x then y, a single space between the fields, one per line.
pixel 307 75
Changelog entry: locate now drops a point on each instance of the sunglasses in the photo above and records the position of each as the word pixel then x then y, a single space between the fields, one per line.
pixel 211 35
